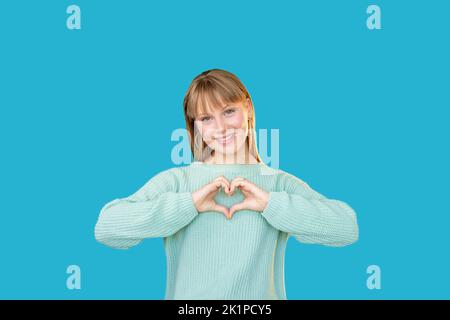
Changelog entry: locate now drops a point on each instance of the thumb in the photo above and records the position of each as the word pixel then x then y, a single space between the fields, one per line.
pixel 236 207
pixel 219 208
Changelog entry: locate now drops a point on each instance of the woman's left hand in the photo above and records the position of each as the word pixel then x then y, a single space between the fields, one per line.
pixel 255 198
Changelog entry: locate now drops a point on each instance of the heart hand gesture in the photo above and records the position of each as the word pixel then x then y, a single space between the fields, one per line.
pixel 255 198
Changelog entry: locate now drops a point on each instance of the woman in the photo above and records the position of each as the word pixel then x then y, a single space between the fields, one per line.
pixel 226 217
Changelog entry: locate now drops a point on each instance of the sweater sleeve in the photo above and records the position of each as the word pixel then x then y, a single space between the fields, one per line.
pixel 309 216
pixel 157 209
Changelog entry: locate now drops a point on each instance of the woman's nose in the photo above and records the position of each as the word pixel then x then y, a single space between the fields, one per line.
pixel 220 123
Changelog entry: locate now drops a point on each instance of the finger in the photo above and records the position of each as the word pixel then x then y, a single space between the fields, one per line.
pixel 220 180
pixel 233 183
pixel 222 209
pixel 225 181
pixel 211 188
pixel 238 182
pixel 216 185
pixel 222 177
pixel 236 207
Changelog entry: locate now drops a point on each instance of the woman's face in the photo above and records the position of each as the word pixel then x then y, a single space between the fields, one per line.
pixel 226 129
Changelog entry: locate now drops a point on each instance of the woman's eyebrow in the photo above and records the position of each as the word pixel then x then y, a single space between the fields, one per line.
pixel 204 114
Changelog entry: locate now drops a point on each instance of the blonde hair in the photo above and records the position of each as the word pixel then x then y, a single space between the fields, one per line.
pixel 215 88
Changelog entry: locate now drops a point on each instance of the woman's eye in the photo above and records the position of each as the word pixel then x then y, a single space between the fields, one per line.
pixel 229 111
pixel 205 118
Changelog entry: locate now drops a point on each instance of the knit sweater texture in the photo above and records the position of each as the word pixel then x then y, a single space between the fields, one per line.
pixel 211 257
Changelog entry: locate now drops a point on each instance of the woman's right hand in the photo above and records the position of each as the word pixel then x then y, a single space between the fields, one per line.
pixel 204 197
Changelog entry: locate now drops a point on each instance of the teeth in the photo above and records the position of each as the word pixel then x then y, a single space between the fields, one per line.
pixel 226 138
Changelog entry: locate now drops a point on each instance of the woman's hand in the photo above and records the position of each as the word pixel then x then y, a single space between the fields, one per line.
pixel 204 197
pixel 255 198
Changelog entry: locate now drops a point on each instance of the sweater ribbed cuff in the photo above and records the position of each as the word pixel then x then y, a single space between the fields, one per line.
pixel 187 211
pixel 275 206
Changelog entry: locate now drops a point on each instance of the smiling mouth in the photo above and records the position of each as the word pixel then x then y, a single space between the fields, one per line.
pixel 227 139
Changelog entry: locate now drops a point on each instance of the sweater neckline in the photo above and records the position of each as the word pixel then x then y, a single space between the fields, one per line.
pixel 231 167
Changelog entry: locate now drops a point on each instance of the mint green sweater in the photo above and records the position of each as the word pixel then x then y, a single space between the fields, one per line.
pixel 211 257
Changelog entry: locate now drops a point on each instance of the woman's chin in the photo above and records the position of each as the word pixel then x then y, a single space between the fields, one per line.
pixel 227 149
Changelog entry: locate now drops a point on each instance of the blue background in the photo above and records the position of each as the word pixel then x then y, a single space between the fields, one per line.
pixel 87 116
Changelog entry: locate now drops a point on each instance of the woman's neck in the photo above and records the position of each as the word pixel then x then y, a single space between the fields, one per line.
pixel 230 159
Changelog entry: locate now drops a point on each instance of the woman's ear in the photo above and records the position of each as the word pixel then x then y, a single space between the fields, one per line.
pixel 249 108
